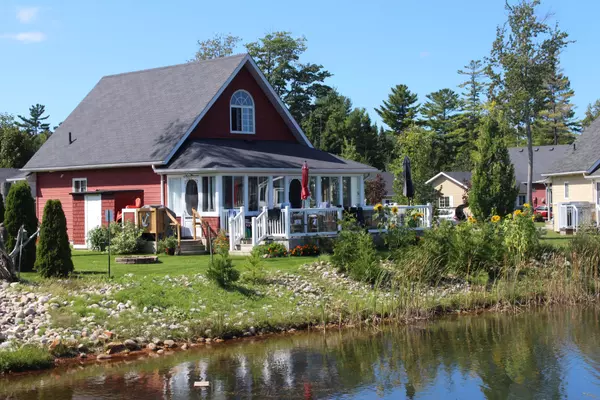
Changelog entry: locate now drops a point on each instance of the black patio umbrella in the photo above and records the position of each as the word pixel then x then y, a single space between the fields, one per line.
pixel 408 189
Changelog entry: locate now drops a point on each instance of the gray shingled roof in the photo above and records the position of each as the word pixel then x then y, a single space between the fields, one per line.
pixel 135 117
pixel 11 173
pixel 461 176
pixel 388 178
pixel 225 154
pixel 582 155
pixel 543 159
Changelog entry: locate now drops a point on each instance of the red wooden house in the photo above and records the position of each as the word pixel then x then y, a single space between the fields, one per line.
pixel 211 136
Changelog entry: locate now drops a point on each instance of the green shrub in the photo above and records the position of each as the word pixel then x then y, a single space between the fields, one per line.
pixel 53 251
pixel 354 253
pixel 255 268
pixel 271 250
pixel 398 238
pixel 98 238
pixel 169 242
pixel 20 210
pixel 126 239
pixel 475 248
pixel 221 271
pixel 26 358
pixel 583 251
pixel 521 237
pixel 437 242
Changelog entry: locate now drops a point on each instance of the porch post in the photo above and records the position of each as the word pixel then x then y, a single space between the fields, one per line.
pixel 318 197
pixel 286 189
pixel 270 192
pixel 246 192
pixel 340 190
pixel 218 191
pixel 231 234
pixel 286 222
pixel 254 231
pixel 361 184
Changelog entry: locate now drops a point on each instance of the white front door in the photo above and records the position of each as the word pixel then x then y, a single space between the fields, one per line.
pixel 190 202
pixel 93 212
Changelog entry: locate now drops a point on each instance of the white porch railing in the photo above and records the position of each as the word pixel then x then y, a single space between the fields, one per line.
pixel 260 227
pixel 313 221
pixel 237 229
pixel 573 216
pixel 415 217
pixel 446 213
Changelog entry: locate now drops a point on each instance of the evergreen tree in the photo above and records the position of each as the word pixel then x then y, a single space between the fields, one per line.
pixel 591 113
pixel 400 110
pixel 556 123
pixel 441 113
pixel 493 187
pixel 2 210
pixel 363 133
pixel 349 151
pixel 326 124
pixel 53 258
pixel 15 145
pixel 298 84
pixel 218 46
pixel 520 63
pixel 474 87
pixel 20 210
pixel 35 124
pixel 416 143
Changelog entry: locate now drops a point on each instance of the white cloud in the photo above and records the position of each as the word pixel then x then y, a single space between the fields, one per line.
pixel 424 54
pixel 27 14
pixel 25 37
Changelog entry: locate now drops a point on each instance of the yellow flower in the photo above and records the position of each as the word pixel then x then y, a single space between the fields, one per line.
pixel 378 207
pixel 472 220
pixel 394 210
pixel 509 216
pixel 495 218
pixel 526 205
pixel 533 218
pixel 518 212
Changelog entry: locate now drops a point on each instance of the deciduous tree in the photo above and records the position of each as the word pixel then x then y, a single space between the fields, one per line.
pixel 220 45
pixel 520 64
pixel 375 190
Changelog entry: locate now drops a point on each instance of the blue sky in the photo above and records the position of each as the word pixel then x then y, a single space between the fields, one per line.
pixel 54 52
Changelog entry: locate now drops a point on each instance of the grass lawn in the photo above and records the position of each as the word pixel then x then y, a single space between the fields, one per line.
pixel 553 238
pixel 93 264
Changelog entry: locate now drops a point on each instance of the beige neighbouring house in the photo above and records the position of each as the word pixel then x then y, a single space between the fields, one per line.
pixel 575 182
pixel 451 187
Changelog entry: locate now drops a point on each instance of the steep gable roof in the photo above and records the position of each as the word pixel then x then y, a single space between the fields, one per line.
pixel 143 117
pixel 582 156
pixel 543 159
pixel 461 178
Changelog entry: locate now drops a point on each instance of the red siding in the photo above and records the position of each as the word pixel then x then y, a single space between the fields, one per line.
pixel 269 123
pixel 213 223
pixel 539 192
pixel 58 185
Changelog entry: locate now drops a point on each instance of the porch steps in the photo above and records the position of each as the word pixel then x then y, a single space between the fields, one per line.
pixel 243 249
pixel 191 247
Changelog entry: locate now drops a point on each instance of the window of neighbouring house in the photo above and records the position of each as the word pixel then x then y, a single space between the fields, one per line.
pixel 208 193
pixel 566 190
pixel 242 112
pixel 79 185
pixel 234 191
pixel 444 202
pixel 521 200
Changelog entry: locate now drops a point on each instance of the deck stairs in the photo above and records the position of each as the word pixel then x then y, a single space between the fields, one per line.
pixel 192 247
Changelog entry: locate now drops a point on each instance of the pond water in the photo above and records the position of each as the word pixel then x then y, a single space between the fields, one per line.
pixel 547 354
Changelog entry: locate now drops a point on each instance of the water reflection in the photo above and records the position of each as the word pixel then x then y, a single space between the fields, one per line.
pixel 546 354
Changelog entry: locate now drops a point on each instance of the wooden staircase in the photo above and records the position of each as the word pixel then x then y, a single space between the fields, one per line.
pixel 192 247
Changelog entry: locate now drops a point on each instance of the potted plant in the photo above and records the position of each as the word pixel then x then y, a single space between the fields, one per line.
pixel 169 244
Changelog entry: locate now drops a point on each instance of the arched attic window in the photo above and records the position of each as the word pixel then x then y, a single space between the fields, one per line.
pixel 242 112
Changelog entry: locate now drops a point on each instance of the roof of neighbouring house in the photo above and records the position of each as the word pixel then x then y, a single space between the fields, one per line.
pixel 143 117
pixel 543 159
pixel 224 154
pixel 461 178
pixel 582 156
pixel 10 174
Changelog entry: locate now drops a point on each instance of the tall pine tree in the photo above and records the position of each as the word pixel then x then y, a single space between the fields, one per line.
pixel 493 186
pixel 400 110
pixel 591 113
pixel 34 124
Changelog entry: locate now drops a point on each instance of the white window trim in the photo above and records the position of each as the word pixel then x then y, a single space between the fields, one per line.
pixel 253 107
pixel 79 180
pixel 566 190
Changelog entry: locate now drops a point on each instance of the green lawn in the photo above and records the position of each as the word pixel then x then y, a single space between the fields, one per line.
pixel 93 264
pixel 553 238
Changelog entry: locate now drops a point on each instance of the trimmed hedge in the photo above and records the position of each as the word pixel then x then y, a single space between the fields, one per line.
pixel 53 250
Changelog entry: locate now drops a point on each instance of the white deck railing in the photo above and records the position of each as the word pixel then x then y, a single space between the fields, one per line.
pixel 573 216
pixel 313 221
pixel 414 217
pixel 260 227
pixel 237 229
